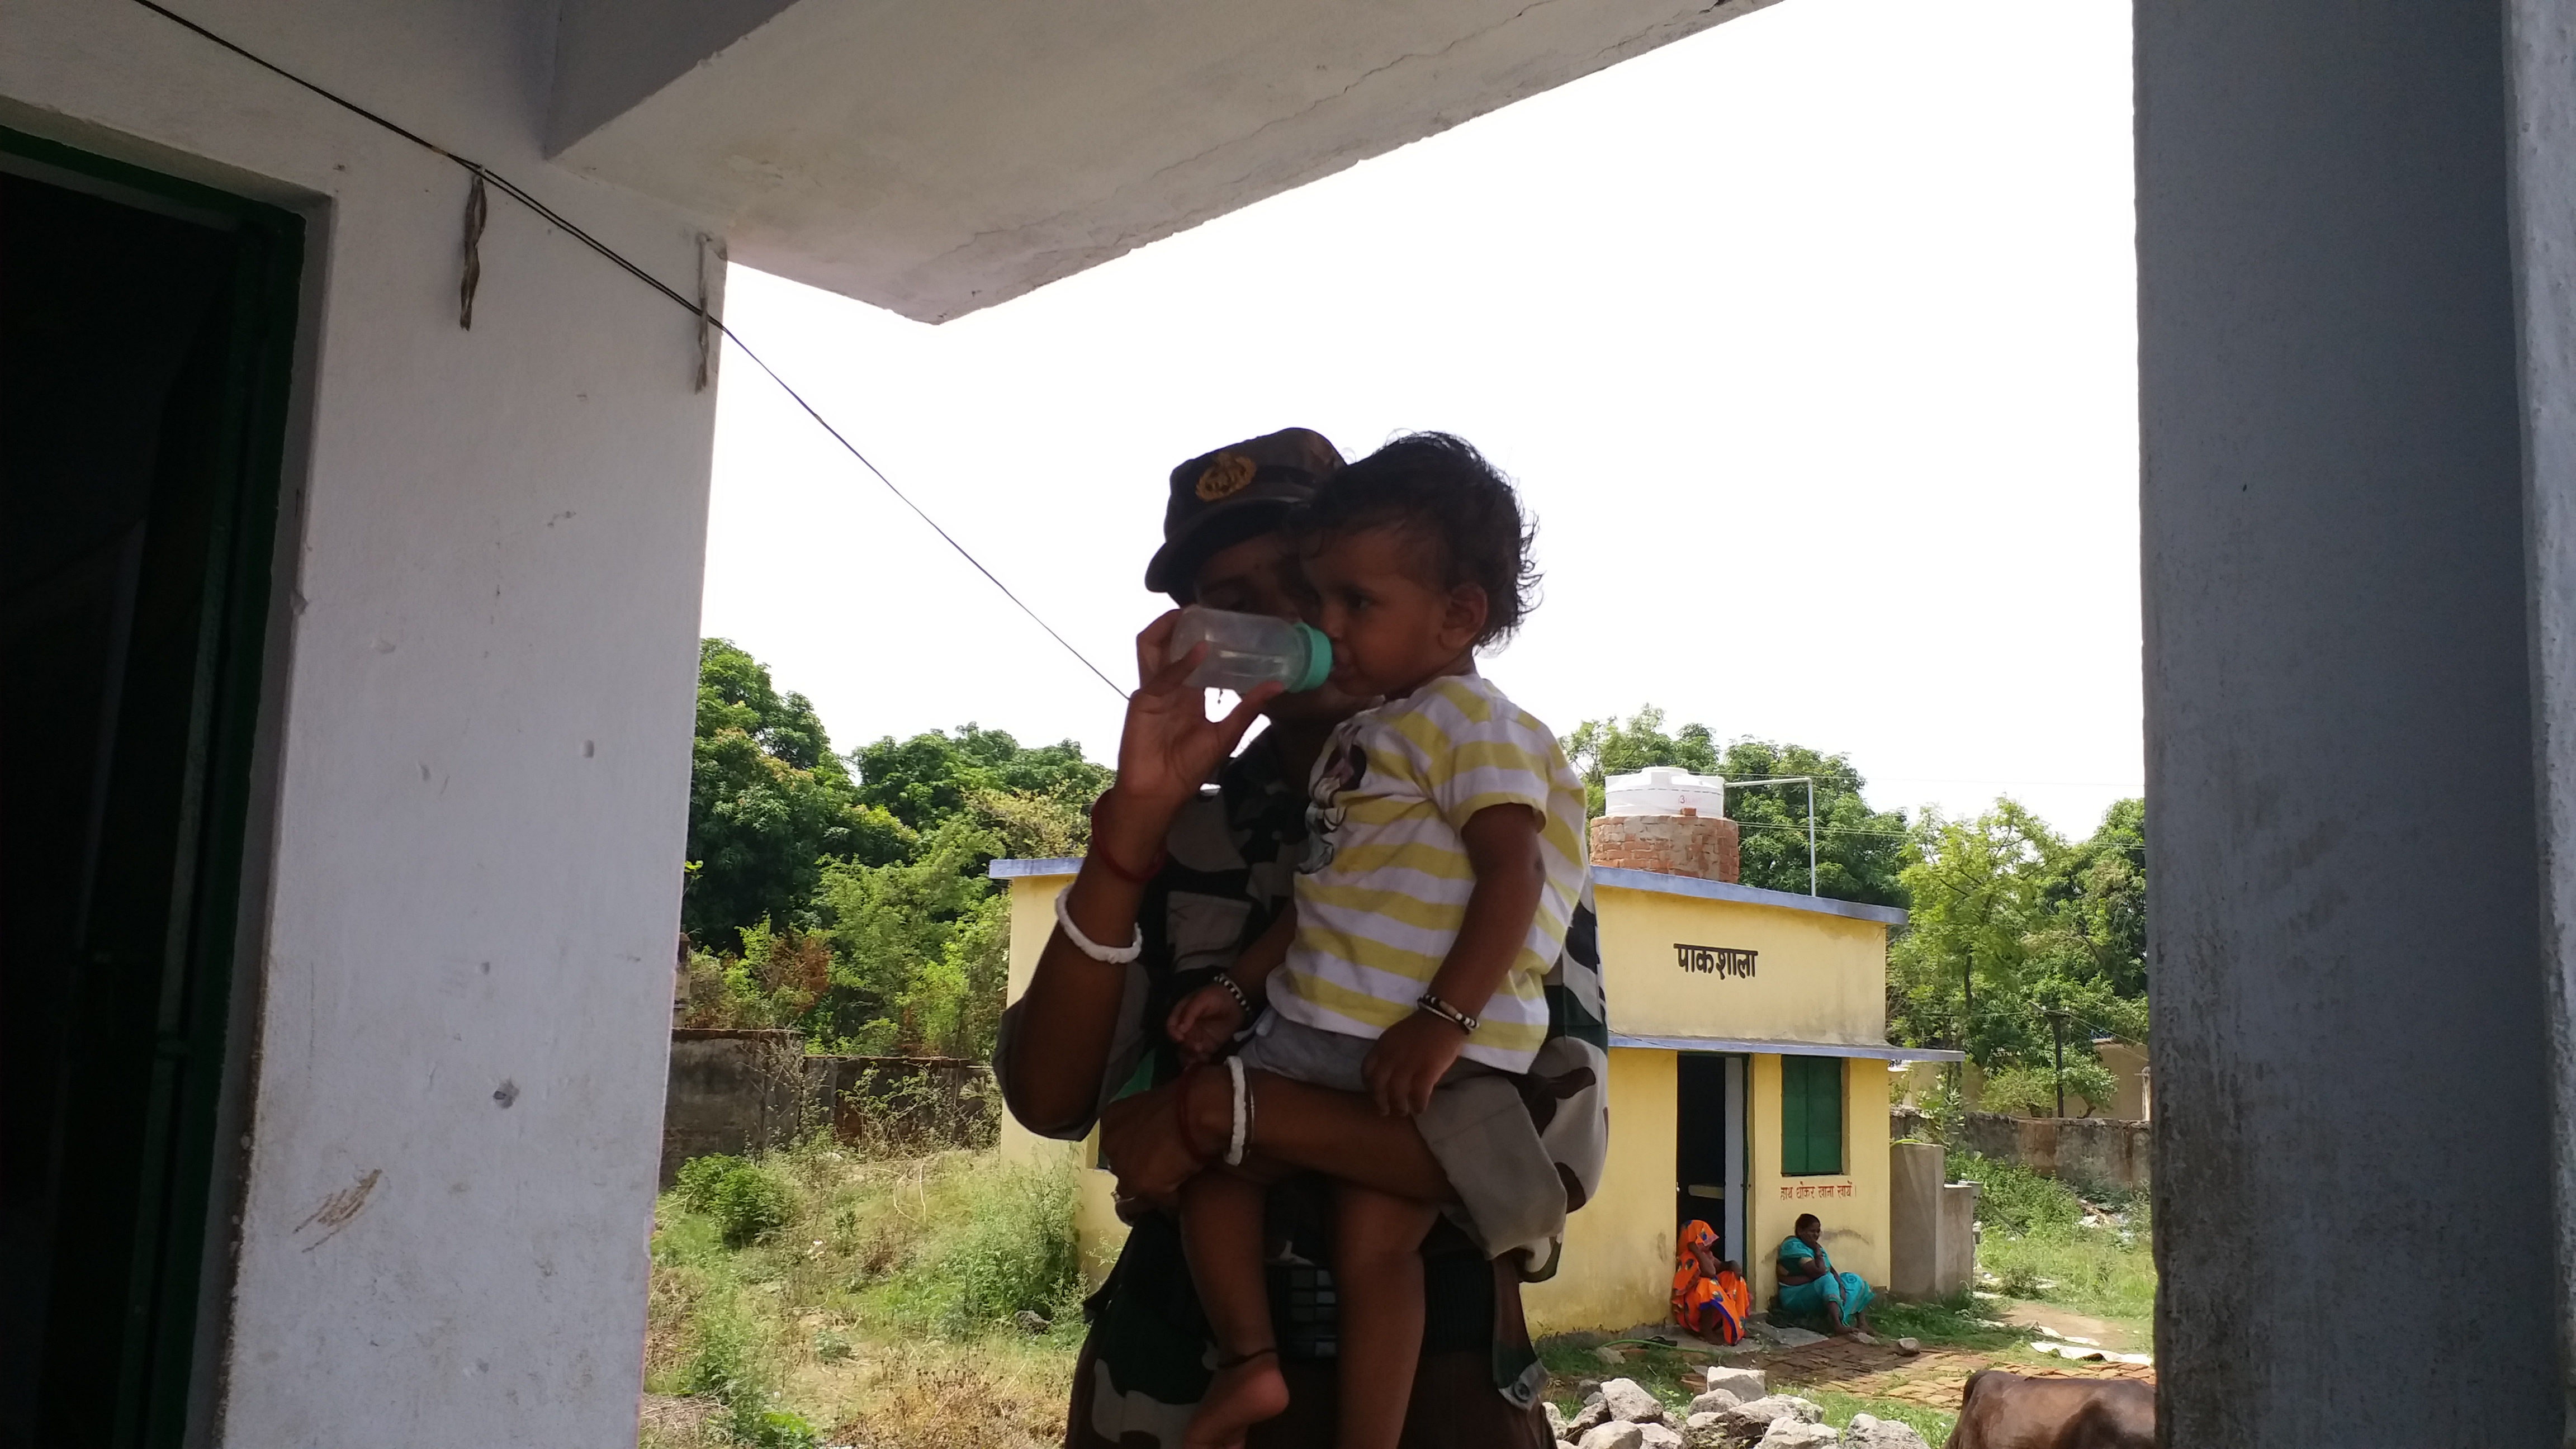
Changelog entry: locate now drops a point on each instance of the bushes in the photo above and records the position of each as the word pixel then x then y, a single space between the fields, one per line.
pixel 722 1363
pixel 1012 1252
pixel 726 1364
pixel 837 1295
pixel 2015 1199
pixel 745 1199
pixel 906 1114
pixel 2033 1090
pixel 761 1427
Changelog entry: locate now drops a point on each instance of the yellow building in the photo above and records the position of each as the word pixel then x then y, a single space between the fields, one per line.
pixel 1748 1084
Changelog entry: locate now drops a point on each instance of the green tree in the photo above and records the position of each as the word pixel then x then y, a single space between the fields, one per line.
pixel 896 985
pixel 848 896
pixel 930 777
pixel 921 948
pixel 1604 747
pixel 2024 947
pixel 1961 973
pixel 1861 854
pixel 2100 894
pixel 768 802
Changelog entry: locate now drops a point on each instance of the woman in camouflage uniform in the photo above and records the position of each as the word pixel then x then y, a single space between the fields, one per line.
pixel 1196 871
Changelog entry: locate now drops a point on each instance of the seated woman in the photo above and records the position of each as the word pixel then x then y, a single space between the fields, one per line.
pixel 1710 1300
pixel 1811 1291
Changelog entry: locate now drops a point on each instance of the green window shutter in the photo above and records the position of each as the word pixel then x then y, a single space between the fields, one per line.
pixel 1793 1116
pixel 1811 1116
pixel 1825 1115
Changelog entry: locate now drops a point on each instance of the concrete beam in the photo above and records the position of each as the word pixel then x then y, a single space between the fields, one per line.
pixel 940 159
pixel 611 55
pixel 2351 1065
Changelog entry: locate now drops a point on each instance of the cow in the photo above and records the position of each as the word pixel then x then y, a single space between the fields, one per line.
pixel 1999 1410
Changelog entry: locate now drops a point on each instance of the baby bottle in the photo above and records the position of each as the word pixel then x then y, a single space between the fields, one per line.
pixel 1245 650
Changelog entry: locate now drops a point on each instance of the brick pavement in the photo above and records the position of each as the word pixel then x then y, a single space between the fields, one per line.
pixel 1932 1378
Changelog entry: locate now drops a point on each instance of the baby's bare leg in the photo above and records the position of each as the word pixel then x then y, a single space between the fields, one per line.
pixel 1377 1270
pixel 1221 1232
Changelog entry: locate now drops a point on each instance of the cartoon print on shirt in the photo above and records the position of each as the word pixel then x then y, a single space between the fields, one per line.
pixel 1344 765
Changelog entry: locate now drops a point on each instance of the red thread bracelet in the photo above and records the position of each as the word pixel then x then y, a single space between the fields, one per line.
pixel 1101 853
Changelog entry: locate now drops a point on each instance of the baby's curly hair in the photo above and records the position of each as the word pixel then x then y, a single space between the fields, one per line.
pixel 1437 488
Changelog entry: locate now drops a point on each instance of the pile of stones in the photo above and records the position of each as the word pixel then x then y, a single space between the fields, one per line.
pixel 1735 1413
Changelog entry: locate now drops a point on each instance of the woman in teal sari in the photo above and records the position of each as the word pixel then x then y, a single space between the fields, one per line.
pixel 1810 1289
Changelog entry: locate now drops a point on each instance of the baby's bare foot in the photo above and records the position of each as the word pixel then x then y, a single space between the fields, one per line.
pixel 1241 1395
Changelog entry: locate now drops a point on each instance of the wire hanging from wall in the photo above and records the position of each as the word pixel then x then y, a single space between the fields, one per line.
pixel 477 209
pixel 697 309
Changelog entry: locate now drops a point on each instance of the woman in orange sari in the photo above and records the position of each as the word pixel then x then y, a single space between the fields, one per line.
pixel 1710 1300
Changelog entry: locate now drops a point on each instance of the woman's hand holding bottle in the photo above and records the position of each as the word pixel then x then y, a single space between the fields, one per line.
pixel 1168 748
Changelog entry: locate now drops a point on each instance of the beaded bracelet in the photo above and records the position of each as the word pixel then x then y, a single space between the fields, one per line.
pixel 1447 1013
pixel 1242 1002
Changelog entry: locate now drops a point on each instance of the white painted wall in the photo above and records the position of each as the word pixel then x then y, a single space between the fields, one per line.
pixel 494 585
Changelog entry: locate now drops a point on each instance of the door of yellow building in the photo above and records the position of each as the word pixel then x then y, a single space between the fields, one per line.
pixel 1710 1153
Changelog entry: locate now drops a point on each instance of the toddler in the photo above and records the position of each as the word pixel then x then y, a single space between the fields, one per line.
pixel 1444 859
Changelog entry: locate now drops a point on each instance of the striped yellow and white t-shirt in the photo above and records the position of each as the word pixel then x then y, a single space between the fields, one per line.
pixel 1385 885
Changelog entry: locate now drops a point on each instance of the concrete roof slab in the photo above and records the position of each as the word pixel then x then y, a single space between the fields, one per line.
pixel 938 159
pixel 1045 865
pixel 1719 890
pixel 1757 1046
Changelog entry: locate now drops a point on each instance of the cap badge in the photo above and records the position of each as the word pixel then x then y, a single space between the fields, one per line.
pixel 1227 476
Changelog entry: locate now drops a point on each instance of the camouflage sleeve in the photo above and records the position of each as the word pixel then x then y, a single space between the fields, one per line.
pixel 1573 1065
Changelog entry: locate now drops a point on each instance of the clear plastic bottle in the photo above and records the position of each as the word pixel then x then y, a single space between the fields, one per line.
pixel 1246 650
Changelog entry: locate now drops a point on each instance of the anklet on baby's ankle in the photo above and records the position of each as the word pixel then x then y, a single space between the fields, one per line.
pixel 1240 1359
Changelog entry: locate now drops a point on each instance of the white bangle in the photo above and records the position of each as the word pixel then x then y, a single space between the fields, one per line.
pixel 1242 1113
pixel 1105 955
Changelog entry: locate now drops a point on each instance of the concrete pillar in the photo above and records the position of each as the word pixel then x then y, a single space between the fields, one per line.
pixel 1914 1217
pixel 2352 1056
pixel 2541 51
pixel 1954 1264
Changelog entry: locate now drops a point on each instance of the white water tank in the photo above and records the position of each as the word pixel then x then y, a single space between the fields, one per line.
pixel 1665 790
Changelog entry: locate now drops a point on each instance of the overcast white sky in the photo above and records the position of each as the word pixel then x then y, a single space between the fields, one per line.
pixel 1810 340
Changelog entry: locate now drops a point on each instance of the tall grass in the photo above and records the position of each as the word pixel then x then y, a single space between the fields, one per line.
pixel 882 1303
pixel 2037 1242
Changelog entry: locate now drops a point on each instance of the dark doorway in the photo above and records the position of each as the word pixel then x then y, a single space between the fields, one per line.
pixel 1708 1151
pixel 146 335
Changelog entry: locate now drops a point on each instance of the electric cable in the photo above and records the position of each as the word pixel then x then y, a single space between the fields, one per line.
pixel 564 224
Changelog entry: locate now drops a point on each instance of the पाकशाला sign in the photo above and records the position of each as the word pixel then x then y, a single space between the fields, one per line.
pixel 1715 960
